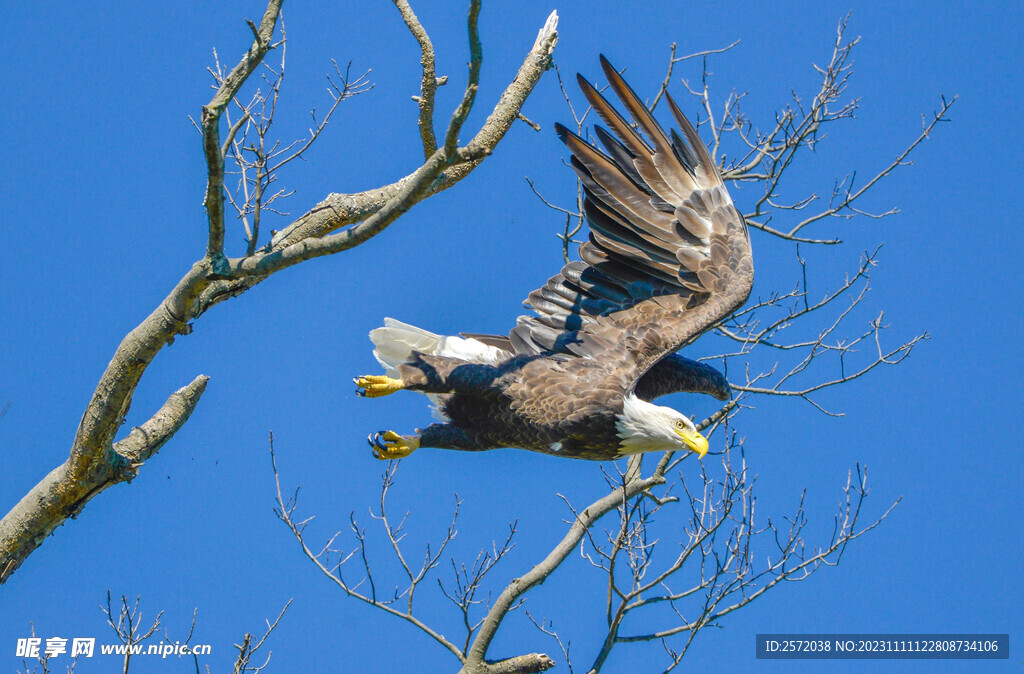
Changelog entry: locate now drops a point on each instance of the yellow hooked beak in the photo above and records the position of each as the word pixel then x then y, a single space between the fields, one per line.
pixel 694 441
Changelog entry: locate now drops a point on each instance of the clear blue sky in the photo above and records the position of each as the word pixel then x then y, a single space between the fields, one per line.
pixel 102 191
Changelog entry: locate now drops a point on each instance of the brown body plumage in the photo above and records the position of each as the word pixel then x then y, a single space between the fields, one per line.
pixel 561 407
pixel 668 256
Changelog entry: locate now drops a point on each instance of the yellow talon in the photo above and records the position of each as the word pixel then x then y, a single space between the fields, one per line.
pixel 377 385
pixel 388 445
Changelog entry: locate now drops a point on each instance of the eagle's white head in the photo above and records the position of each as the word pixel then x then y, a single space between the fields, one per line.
pixel 644 427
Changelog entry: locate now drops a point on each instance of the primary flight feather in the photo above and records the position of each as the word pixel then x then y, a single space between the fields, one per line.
pixel 668 256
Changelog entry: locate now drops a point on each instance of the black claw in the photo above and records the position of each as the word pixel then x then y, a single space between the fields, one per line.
pixel 376 440
pixel 360 392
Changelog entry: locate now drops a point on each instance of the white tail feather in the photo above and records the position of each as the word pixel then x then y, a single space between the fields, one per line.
pixel 396 341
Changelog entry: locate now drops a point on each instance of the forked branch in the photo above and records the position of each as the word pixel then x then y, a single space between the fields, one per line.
pixel 95 462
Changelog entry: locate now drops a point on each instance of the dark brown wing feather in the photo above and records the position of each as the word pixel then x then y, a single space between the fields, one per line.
pixel 498 341
pixel 668 254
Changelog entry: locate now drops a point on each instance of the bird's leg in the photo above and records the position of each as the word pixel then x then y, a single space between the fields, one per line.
pixel 447 436
pixel 377 385
pixel 430 374
pixel 388 445
pixel 425 374
pixel 439 374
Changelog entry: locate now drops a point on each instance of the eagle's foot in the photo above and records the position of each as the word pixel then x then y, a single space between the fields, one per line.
pixel 388 445
pixel 377 385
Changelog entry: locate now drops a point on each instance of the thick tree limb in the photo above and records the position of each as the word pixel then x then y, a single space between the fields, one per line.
pixel 521 664
pixel 66 490
pixel 95 462
pixel 412 192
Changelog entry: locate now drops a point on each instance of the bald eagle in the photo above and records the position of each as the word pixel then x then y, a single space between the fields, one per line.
pixel 668 256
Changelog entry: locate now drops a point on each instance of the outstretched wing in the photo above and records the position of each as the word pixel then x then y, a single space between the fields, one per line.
pixel 668 255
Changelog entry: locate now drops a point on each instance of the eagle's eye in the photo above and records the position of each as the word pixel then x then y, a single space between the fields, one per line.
pixel 679 424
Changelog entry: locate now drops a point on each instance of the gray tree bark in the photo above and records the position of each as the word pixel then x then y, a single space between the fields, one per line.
pixel 96 461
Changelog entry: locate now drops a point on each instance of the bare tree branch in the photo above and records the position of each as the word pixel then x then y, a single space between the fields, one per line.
pixel 94 464
pixel 259 159
pixel 519 586
pixel 764 157
pixel 333 568
pixel 250 645
pixel 41 664
pixel 469 581
pixel 520 664
pixel 430 83
pixel 127 626
pixel 836 206
pixel 550 631
pixel 673 60
pixel 212 111
pixel 723 537
pixel 66 490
